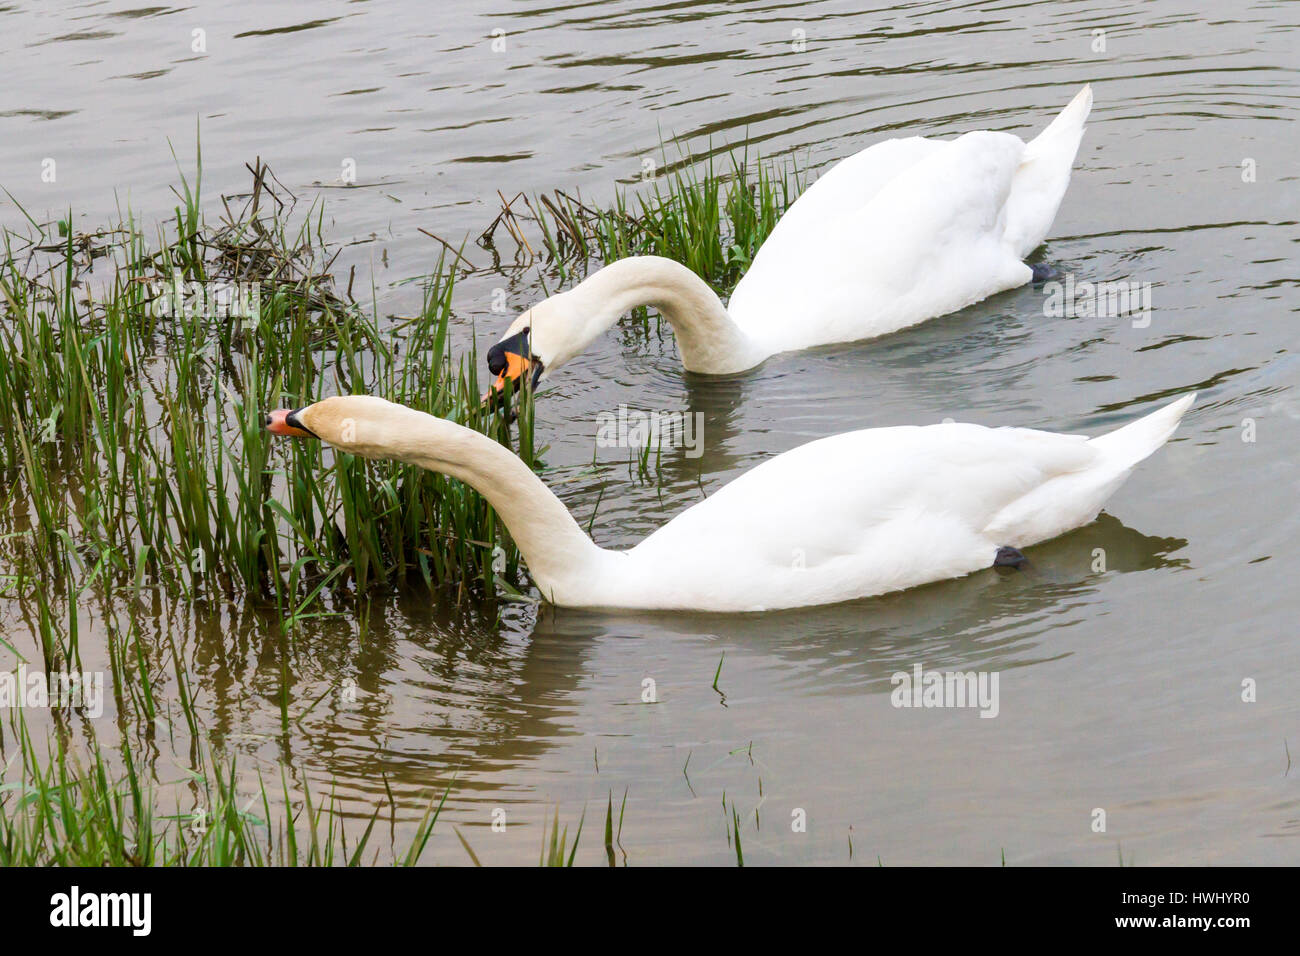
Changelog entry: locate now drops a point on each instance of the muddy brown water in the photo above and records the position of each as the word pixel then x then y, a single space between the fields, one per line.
pixel 1119 689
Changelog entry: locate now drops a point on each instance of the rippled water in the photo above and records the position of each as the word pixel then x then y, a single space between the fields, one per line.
pixel 1119 690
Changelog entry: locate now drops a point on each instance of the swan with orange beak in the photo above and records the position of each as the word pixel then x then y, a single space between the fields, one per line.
pixel 510 360
pixel 284 421
pixel 867 512
pixel 904 231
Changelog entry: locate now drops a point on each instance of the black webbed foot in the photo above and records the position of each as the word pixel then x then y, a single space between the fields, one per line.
pixel 1044 272
pixel 1008 557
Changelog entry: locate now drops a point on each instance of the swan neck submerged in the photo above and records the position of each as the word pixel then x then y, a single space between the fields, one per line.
pixel 707 337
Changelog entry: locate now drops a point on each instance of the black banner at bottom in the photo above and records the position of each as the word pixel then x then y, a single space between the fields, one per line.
pixel 341 907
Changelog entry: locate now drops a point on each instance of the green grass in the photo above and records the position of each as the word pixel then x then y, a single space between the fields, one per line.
pixel 132 452
pixel 558 851
pixel 711 217
pixel 135 472
pixel 132 448
pixel 65 812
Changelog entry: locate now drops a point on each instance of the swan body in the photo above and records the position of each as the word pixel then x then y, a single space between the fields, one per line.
pixel 850 516
pixel 904 231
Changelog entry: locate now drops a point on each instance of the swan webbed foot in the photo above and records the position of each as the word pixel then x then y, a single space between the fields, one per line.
pixel 1008 557
pixel 1043 272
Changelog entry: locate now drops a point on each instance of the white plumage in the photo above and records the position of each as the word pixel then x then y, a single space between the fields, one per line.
pixel 904 231
pixel 849 516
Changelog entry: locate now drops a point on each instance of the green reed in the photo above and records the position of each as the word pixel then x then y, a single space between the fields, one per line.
pixel 132 447
pixel 710 217
pixel 136 474
pixel 556 848
pixel 63 811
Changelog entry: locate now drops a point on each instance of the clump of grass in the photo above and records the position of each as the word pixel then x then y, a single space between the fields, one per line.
pixel 554 849
pixel 132 448
pixel 63 813
pixel 711 219
pixel 135 473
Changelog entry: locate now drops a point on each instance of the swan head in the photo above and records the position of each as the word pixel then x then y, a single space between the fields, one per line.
pixel 362 425
pixel 542 339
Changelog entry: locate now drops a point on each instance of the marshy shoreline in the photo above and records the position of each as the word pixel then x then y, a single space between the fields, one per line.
pixel 135 370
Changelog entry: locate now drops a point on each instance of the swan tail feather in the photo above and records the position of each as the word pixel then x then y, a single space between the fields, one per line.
pixel 1127 446
pixel 1044 175
pixel 1066 130
pixel 1073 499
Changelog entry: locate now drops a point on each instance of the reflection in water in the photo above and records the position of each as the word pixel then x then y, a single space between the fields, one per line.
pixel 985 620
pixel 422 695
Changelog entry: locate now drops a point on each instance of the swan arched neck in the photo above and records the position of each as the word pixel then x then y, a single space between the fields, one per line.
pixel 708 338
pixel 560 556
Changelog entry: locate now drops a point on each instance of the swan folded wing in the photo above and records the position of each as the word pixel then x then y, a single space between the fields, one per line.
pixel 841 191
pixel 1074 497
pixel 977 473
pixel 928 242
pixel 866 512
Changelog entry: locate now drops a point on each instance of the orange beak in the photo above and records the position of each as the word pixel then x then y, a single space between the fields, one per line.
pixel 282 422
pixel 516 366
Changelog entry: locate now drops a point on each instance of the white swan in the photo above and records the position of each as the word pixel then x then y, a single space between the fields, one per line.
pixel 850 516
pixel 904 231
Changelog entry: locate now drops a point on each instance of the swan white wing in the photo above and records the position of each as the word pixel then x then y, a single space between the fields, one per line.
pixel 846 187
pixel 1074 498
pixel 855 515
pixel 873 511
pixel 929 241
